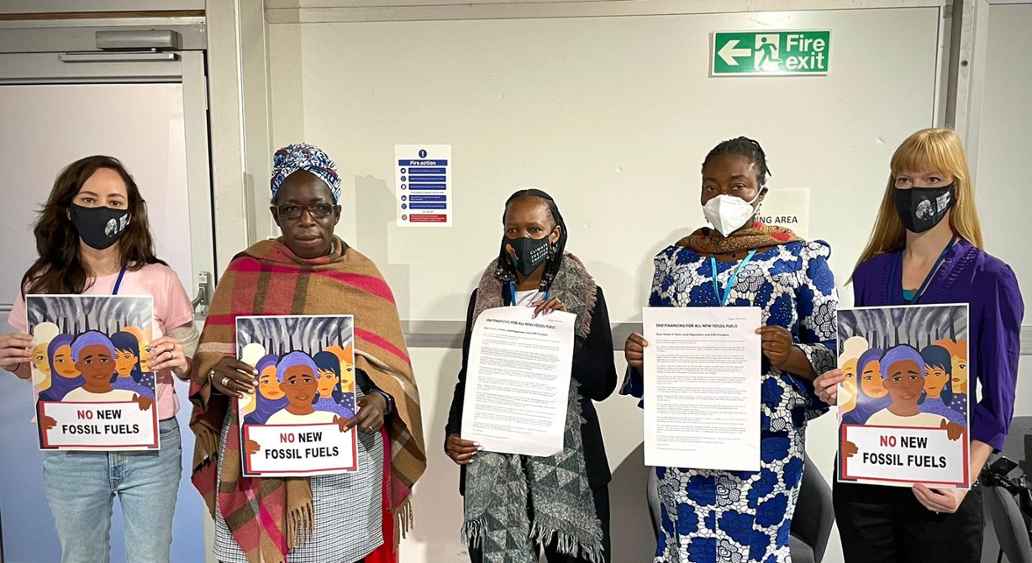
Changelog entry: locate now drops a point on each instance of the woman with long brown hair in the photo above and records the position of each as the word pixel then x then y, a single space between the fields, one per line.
pixel 93 238
pixel 926 248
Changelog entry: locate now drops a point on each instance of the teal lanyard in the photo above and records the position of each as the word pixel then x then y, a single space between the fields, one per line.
pixel 730 281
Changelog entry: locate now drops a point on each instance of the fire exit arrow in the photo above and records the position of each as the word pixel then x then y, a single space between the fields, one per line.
pixel 729 53
pixel 770 52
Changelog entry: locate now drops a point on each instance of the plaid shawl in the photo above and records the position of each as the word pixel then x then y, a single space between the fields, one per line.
pixel 268 517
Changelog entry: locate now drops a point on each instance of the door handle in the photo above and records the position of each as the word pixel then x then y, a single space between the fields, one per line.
pixel 202 298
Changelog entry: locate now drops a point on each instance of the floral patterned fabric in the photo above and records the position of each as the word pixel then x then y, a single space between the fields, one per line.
pixel 744 516
pixel 302 156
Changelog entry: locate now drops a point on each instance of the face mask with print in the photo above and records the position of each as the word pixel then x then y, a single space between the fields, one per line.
pixel 920 209
pixel 530 253
pixel 728 213
pixel 99 227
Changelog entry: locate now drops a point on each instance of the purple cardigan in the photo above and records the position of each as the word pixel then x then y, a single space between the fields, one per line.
pixel 987 284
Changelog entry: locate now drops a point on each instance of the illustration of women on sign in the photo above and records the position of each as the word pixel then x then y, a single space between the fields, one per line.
pixel 958 399
pixel 871 395
pixel 939 384
pixel 903 373
pixel 297 376
pixel 331 397
pixel 93 355
pixel 42 335
pixel 268 397
pixel 64 376
pixel 128 375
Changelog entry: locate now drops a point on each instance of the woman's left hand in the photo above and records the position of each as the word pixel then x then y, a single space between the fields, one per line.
pixel 167 353
pixel 371 409
pixel 939 500
pixel 546 307
pixel 776 343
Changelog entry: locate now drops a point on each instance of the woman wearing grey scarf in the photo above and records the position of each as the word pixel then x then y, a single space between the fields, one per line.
pixel 568 517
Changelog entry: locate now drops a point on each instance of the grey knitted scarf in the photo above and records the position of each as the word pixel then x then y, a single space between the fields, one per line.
pixel 515 503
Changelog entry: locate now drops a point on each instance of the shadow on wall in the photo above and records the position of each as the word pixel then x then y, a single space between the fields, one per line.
pixel 438 505
pixel 630 521
pixel 374 213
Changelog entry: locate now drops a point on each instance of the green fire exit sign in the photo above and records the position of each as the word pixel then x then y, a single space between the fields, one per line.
pixel 757 53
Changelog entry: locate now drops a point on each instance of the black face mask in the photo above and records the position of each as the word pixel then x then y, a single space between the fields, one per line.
pixel 99 227
pixel 920 209
pixel 530 253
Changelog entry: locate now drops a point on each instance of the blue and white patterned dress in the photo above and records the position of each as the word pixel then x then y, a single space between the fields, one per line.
pixel 745 516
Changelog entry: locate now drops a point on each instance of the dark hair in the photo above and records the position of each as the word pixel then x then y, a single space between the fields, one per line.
pixel 743 146
pixel 939 357
pixel 59 268
pixel 58 341
pixel 328 361
pixel 505 271
pixel 870 355
pixel 127 342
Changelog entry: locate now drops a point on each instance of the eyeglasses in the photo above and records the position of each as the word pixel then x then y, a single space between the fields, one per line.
pixel 293 212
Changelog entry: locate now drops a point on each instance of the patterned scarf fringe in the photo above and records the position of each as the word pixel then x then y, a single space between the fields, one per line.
pixel 301 522
pixel 405 516
pixel 567 543
pixel 473 530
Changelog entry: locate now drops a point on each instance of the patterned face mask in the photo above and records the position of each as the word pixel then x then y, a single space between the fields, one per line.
pixel 99 227
pixel 920 209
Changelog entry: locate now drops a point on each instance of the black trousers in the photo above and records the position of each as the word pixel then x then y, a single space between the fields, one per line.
pixel 888 525
pixel 601 497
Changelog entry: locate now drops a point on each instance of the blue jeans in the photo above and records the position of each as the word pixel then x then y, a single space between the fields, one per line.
pixel 80 487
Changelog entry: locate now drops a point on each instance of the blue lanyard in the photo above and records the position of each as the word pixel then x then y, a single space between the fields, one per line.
pixel 730 281
pixel 510 293
pixel 118 282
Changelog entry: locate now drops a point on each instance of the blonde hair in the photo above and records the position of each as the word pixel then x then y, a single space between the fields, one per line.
pixel 928 149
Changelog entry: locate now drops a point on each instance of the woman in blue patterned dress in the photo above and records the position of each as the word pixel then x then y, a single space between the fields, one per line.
pixel 745 516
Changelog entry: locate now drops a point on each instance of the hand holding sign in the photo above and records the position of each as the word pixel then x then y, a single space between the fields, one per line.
pixel 252 447
pixel 47 422
pixel 144 402
pixel 826 385
pixel 953 430
pixel 15 350
pixel 370 413
pixel 233 378
pixel 634 350
pixel 776 343
pixel 939 500
pixel 168 353
pixel 849 449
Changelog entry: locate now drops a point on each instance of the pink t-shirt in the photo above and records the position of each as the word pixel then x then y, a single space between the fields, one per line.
pixel 172 309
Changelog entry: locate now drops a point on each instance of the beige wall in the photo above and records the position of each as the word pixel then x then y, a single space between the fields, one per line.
pixel 612 115
pixel 336 84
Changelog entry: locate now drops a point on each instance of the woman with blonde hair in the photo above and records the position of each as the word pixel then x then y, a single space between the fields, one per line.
pixel 926 248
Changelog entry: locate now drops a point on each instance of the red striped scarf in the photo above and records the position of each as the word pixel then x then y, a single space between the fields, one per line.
pixel 268 517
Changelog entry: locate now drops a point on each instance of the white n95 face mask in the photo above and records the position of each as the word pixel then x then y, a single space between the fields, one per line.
pixel 728 213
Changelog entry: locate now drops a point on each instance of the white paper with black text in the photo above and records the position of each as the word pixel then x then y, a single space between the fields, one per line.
pixel 518 381
pixel 702 387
